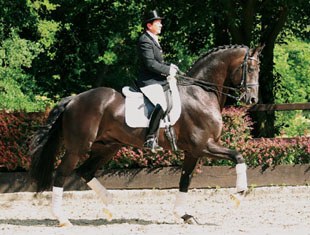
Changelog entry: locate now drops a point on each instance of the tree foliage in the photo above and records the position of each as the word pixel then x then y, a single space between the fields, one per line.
pixel 19 47
pixel 292 63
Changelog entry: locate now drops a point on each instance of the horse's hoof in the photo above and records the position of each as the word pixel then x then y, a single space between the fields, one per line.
pixel 237 198
pixel 65 224
pixel 189 219
pixel 108 214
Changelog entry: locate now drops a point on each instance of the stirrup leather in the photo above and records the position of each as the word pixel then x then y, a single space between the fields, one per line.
pixel 171 137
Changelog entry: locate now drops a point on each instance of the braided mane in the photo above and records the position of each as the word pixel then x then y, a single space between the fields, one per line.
pixel 216 49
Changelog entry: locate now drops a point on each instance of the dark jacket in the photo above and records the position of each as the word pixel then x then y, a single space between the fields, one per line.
pixel 153 69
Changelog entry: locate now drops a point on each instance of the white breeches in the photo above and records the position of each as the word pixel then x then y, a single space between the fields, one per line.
pixel 155 93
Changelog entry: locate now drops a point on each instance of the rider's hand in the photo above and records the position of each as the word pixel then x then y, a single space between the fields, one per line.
pixel 181 73
pixel 173 70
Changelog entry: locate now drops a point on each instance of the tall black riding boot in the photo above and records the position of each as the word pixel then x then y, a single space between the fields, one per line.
pixel 152 131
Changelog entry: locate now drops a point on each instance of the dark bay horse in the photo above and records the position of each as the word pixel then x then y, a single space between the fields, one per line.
pixel 91 126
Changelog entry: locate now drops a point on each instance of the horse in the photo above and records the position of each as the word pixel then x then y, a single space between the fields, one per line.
pixel 89 128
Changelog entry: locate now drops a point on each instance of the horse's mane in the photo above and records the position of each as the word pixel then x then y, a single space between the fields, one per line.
pixel 203 57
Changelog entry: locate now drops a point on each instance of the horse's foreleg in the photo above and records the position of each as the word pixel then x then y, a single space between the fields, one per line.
pixel 181 196
pixel 65 168
pixel 220 152
pixel 241 182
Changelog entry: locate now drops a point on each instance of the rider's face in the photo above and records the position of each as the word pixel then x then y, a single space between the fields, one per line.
pixel 155 27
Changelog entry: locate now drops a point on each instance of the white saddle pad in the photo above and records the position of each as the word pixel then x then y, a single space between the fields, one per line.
pixel 136 111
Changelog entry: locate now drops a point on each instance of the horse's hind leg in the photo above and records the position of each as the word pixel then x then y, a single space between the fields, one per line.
pixel 65 168
pixel 188 167
pixel 100 154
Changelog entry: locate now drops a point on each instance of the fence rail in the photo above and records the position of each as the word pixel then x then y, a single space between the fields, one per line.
pixel 279 107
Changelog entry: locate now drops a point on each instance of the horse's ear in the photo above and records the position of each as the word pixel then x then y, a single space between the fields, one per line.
pixel 257 51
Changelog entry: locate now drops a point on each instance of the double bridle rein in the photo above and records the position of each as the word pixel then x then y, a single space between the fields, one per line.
pixel 242 88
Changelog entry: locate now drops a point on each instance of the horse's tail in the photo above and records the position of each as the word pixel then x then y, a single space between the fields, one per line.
pixel 45 146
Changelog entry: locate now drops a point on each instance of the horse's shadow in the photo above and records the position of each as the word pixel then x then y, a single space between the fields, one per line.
pixel 86 222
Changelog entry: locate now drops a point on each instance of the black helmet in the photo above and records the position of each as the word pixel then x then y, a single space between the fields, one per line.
pixel 151 15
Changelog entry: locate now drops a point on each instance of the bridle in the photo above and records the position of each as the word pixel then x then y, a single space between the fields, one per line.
pixel 209 86
pixel 244 67
pixel 243 87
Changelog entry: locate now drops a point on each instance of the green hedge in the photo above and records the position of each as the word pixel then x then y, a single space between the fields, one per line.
pixel 16 130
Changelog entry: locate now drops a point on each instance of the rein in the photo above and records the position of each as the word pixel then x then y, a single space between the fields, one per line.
pixel 208 86
pixel 186 80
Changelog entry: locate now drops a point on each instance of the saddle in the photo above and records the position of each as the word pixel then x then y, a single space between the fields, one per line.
pixel 138 110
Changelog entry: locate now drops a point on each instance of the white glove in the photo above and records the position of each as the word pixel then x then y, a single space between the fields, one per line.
pixel 173 70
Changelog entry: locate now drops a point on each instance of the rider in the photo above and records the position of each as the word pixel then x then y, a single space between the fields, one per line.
pixel 153 74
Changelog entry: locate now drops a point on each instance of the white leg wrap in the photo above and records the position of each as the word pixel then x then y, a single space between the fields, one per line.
pixel 179 205
pixel 57 207
pixel 101 191
pixel 241 183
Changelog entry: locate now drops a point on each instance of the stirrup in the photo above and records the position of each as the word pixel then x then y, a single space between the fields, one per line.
pixel 151 144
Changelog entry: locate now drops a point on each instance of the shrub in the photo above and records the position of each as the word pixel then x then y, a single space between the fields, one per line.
pixel 278 151
pixel 130 157
pixel 259 152
pixel 235 134
pixel 15 132
pixel 16 129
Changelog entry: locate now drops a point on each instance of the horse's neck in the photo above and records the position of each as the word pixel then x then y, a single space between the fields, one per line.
pixel 213 73
pixel 216 78
pixel 219 68
pixel 196 99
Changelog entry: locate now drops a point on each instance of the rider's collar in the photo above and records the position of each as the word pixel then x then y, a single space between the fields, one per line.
pixel 155 37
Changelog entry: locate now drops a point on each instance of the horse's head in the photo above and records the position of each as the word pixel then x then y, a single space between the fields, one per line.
pixel 225 69
pixel 246 76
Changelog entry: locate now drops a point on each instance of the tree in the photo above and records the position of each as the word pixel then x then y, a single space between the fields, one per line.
pixel 90 43
pixel 94 46
pixel 292 63
pixel 261 22
pixel 19 46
